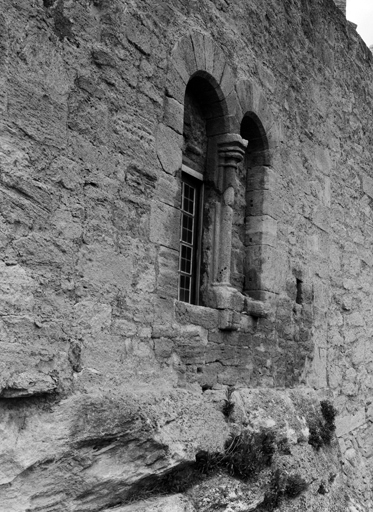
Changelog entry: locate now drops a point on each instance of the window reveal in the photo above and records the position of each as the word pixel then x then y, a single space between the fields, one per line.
pixel 192 174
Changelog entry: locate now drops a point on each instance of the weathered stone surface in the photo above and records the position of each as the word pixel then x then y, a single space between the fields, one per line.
pixel 105 445
pixel 91 142
pixel 27 384
pixel 176 503
pixel 169 148
pixel 101 445
pixel 347 424
pixel 287 414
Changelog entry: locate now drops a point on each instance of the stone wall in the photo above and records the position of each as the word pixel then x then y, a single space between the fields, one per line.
pixel 342 5
pixel 90 155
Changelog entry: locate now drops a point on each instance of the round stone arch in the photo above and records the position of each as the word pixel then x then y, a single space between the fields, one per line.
pixel 252 103
pixel 255 123
pixel 196 54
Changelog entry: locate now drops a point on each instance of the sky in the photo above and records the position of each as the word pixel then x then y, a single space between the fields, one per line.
pixel 361 13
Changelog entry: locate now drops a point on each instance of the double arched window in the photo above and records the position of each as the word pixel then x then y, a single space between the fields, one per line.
pixel 220 211
pixel 216 138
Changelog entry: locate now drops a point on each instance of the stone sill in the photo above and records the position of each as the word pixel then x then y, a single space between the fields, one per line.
pixel 225 318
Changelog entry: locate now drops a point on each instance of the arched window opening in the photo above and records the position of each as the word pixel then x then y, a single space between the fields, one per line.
pixel 194 130
pixel 255 233
pixel 257 149
pixel 200 104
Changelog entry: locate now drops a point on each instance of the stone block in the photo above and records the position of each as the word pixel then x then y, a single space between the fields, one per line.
pixel 166 330
pixel 262 178
pixel 247 323
pixel 228 80
pixel 263 268
pixel 197 315
pixel 165 225
pixel 184 56
pixel 355 319
pixel 322 159
pixel 189 353
pixel 167 278
pixel 228 298
pixel 198 41
pixel 176 82
pixel 359 352
pixel 163 348
pixel 233 107
pixel 139 35
pixel 41 195
pixel 36 113
pixel 266 77
pixel 257 99
pixel 29 383
pixel 174 114
pixel 104 268
pixel 264 112
pixel 168 190
pixel 219 64
pixel 227 355
pixel 369 414
pixel 231 376
pixel 275 136
pixel 91 318
pixel 321 217
pixel 244 90
pixel 102 58
pixel 326 195
pixel 261 229
pixel 256 308
pixel 229 320
pixel 348 423
pixel 41 249
pixel 209 56
pixel 16 290
pixel 169 148
pixel 367 185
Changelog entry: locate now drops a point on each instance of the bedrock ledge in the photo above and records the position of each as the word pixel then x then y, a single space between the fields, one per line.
pixel 95 452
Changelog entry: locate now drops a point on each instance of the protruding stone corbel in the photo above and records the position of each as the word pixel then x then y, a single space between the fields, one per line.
pixel 231 150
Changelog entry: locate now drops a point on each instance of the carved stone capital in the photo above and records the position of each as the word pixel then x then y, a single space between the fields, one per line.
pixel 231 150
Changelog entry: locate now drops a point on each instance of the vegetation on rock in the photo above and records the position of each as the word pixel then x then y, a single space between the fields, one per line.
pixel 322 429
pixel 282 486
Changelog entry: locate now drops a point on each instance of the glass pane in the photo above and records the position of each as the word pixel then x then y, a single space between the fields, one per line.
pixel 188 237
pixel 184 288
pixel 186 259
pixel 188 199
pixel 187 223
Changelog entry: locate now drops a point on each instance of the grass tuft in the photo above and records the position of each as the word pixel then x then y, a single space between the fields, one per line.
pixel 244 455
pixel 322 429
pixel 282 486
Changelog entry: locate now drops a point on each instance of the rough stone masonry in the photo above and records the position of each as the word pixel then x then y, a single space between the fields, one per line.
pixel 140 370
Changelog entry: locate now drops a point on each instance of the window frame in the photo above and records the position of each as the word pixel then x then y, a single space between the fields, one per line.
pixel 194 179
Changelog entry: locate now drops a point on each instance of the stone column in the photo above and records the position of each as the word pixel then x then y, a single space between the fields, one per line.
pixel 231 149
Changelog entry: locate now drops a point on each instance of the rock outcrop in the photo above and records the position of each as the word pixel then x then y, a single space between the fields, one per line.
pixel 170 451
